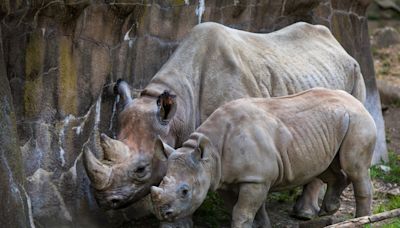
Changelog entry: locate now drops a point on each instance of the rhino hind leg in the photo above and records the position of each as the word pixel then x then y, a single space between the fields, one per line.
pixel 251 198
pixel 362 187
pixel 355 156
pixel 306 206
pixel 336 181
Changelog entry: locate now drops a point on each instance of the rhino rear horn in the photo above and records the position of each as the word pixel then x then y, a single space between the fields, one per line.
pixel 99 174
pixel 114 150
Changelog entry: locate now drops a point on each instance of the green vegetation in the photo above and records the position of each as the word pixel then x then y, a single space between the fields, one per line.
pixel 392 203
pixel 385 69
pixel 391 176
pixel 285 196
pixel 212 212
pixel 394 224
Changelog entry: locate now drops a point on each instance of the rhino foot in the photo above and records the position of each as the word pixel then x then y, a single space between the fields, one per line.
pixel 305 214
pixel 305 209
pixel 329 208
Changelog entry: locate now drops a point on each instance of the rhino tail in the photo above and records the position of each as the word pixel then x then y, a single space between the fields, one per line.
pixel 359 90
pixel 122 89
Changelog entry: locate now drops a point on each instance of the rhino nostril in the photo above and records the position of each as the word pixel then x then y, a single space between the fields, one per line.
pixel 168 213
pixel 115 201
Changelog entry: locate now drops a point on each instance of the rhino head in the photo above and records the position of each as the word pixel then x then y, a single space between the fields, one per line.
pixel 187 181
pixel 129 168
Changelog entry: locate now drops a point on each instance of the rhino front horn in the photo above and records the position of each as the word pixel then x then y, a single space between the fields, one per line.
pixel 99 174
pixel 156 192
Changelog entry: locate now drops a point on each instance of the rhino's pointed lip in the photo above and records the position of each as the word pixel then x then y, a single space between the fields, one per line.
pixel 122 205
pixel 135 197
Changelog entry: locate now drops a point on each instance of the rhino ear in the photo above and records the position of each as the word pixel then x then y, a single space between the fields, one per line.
pixel 161 150
pixel 166 103
pixel 122 89
pixel 201 150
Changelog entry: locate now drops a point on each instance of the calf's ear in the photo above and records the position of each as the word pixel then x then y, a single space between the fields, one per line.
pixel 202 149
pixel 162 150
pixel 166 103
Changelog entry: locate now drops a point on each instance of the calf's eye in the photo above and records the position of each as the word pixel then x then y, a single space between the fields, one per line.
pixel 184 192
pixel 140 170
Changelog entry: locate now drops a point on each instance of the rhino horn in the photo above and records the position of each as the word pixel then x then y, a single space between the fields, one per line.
pixel 169 180
pixel 114 150
pixel 99 174
pixel 156 192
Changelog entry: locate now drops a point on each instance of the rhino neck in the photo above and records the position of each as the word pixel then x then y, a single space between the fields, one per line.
pixel 211 161
pixel 214 167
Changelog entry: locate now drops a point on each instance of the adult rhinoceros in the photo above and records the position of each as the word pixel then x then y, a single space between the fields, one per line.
pixel 212 66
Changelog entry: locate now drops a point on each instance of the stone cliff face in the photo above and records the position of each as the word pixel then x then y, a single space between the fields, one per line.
pixel 58 58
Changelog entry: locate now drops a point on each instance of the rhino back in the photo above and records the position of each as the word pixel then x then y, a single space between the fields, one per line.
pixel 216 64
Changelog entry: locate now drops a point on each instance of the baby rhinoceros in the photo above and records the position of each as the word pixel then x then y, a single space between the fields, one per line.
pixel 251 146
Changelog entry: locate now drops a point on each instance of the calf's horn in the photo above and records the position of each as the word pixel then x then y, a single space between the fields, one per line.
pixel 99 174
pixel 156 192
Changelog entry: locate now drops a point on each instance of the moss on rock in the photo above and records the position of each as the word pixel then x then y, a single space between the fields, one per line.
pixel 67 84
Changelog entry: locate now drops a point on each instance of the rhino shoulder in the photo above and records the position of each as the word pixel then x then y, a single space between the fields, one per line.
pixel 208 28
pixel 310 29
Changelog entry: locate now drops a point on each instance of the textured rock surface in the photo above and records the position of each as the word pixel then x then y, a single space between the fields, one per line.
pixel 60 55
pixel 15 208
pixel 385 37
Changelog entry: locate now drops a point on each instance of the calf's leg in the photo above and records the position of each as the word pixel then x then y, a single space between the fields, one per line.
pixel 337 181
pixel 251 198
pixel 306 206
pixel 355 156
pixel 363 194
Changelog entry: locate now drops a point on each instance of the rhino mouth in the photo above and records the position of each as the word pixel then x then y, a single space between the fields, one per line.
pixel 109 201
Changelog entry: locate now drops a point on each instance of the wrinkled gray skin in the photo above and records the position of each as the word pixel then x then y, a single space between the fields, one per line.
pixel 253 146
pixel 212 66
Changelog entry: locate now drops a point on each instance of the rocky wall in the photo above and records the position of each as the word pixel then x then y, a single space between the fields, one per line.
pixel 60 57
pixel 15 206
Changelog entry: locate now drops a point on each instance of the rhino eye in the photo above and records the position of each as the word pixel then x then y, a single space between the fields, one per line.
pixel 140 170
pixel 184 191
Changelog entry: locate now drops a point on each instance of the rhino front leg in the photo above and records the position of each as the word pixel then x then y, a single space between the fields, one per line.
pixel 306 206
pixel 251 198
pixel 261 220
